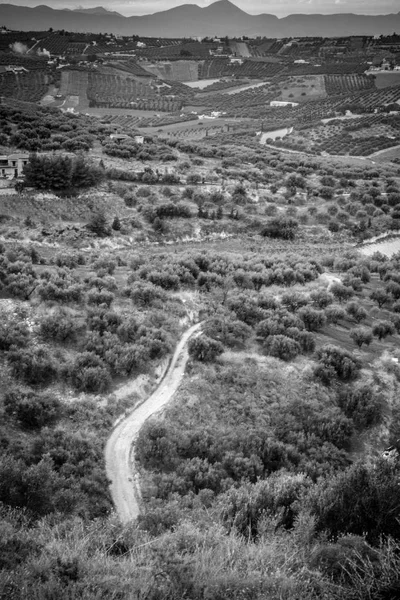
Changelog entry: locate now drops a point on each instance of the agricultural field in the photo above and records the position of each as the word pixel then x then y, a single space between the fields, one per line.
pixel 29 87
pixel 358 137
pixel 385 79
pixel 301 89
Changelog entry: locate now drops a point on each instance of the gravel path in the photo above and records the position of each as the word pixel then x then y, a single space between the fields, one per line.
pixel 120 448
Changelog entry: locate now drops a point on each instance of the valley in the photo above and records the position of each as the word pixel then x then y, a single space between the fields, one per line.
pixel 199 315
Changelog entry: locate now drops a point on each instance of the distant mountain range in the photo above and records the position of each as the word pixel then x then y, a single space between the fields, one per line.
pixel 97 10
pixel 221 18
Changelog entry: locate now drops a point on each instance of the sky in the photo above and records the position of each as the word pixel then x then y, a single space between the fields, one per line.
pixel 281 8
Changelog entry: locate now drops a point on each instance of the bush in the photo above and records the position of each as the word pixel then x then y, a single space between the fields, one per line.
pixel 362 500
pixel 361 335
pixel 13 334
pixel 30 409
pixel 98 224
pixel 334 314
pixel 58 327
pixel 89 373
pixel 341 292
pixel 205 349
pixel 312 319
pixel 356 311
pixel 362 405
pixel 336 362
pixel 100 297
pixel 380 297
pixel 382 329
pixel 33 365
pixel 321 298
pixel 282 347
pixel 281 227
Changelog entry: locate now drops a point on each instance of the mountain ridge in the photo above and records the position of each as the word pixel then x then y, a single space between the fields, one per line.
pixel 220 18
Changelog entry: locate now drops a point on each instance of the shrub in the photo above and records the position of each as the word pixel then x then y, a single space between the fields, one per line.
pixel 89 373
pixel 321 298
pixel 382 329
pixel 281 227
pixel 58 327
pixel 336 362
pixel 361 335
pixel 362 500
pixel 33 365
pixel 312 319
pixel 341 292
pixel 362 405
pixel 98 224
pixel 282 347
pixel 356 311
pixel 30 409
pixel 13 334
pixel 205 349
pixel 100 297
pixel 143 293
pixel 334 314
pixel 380 297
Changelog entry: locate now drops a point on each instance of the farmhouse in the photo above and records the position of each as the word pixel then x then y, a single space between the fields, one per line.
pixel 119 137
pixel 282 103
pixel 12 165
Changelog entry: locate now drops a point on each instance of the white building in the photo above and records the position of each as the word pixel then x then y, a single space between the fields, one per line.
pixel 277 103
pixel 12 165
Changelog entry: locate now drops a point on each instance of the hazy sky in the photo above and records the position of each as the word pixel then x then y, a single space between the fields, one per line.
pixel 280 8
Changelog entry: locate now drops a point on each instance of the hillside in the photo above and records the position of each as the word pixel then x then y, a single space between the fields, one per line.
pixel 199 317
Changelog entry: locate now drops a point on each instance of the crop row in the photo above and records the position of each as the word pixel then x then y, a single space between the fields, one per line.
pixel 218 86
pixel 343 84
pixel 31 63
pixel 328 68
pixel 103 86
pixel 113 101
pixel 189 50
pixel 129 66
pixel 128 122
pixel 220 67
pixel 28 87
pixel 345 144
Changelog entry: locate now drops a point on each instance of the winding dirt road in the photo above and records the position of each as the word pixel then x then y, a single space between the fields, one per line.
pixel 120 450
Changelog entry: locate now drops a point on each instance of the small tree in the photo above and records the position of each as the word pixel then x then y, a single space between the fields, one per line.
pixel 382 329
pixel 116 224
pixel 341 292
pixel 312 319
pixel 336 362
pixel 321 298
pixel 380 297
pixel 98 224
pixel 361 335
pixel 356 311
pixel 31 409
pixel 335 313
pixel 282 347
pixel 205 349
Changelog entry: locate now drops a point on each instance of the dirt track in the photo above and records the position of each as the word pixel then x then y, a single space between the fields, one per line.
pixel 120 451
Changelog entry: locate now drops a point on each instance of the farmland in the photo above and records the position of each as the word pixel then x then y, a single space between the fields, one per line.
pixel 29 87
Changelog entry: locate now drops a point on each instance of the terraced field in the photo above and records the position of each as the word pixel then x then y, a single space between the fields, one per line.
pixel 74 86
